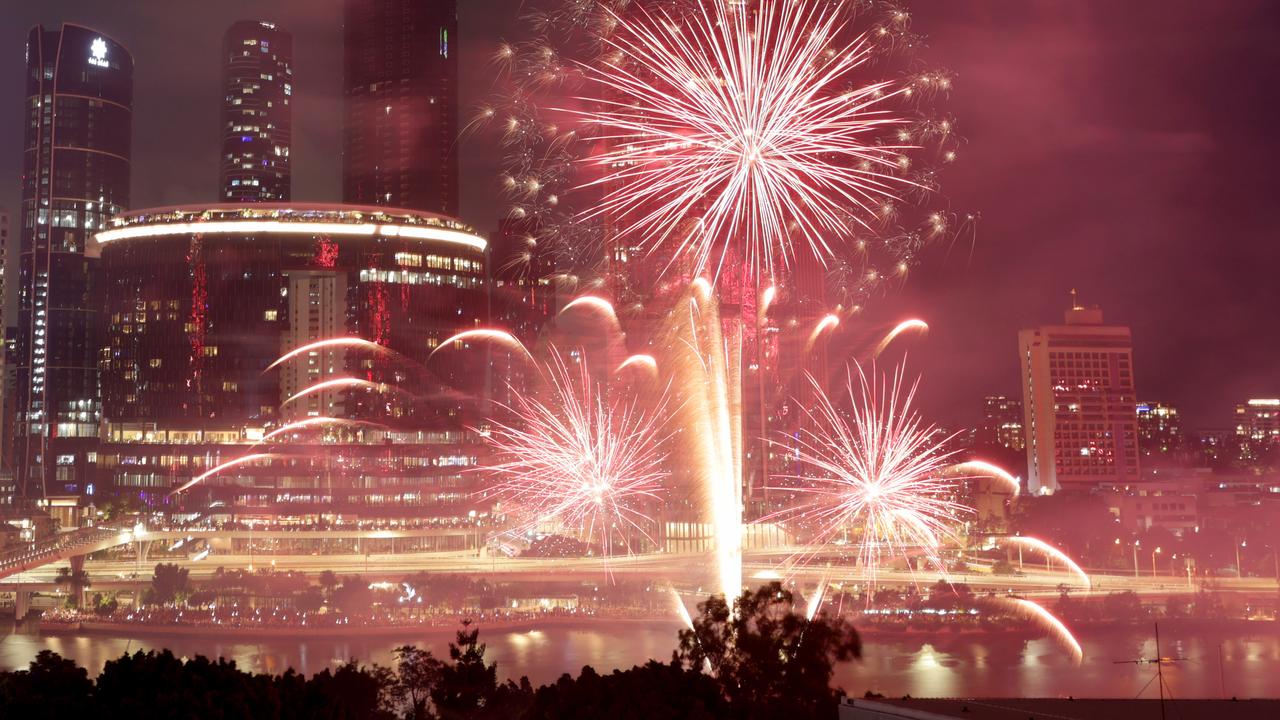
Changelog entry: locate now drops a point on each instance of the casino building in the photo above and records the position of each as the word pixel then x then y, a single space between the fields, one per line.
pixel 201 301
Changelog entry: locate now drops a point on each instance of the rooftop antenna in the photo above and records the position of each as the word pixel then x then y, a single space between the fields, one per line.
pixel 1159 661
pixel 1075 300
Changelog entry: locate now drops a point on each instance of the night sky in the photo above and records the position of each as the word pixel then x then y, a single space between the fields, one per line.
pixel 1123 147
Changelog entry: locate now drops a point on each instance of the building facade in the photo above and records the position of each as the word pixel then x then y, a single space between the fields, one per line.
pixel 1002 420
pixel 1159 430
pixel 1257 423
pixel 75 175
pixel 400 109
pixel 257 113
pixel 213 315
pixel 1078 403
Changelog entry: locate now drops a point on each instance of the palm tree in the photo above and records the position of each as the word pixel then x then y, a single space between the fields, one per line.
pixel 76 582
pixel 328 581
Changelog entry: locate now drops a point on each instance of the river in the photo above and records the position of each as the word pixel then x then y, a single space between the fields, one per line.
pixel 1239 663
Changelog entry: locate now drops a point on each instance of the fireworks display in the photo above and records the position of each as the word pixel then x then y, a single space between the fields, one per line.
pixel 877 473
pixel 722 134
pixel 580 461
pixel 747 126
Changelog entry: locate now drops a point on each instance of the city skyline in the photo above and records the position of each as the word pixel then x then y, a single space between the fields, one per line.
pixel 1166 229
pixel 764 330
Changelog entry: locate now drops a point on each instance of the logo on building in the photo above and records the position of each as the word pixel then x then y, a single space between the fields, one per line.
pixel 98 52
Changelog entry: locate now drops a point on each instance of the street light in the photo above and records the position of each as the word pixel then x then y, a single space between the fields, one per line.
pixel 1154 553
pixel 1136 543
pixel 1239 568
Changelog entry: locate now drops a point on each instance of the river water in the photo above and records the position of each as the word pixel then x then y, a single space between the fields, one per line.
pixel 1230 663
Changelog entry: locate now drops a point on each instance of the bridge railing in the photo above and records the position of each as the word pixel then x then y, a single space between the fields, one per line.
pixel 63 545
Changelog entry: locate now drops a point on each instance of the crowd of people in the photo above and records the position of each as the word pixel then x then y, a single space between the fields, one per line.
pixel 231 617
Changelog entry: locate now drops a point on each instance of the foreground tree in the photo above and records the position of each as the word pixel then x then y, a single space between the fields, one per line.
pixel 653 690
pixel 468 688
pixel 51 687
pixel 417 675
pixel 770 661
pixel 169 584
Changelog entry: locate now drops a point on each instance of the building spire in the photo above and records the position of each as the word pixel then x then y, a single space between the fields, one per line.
pixel 1075 300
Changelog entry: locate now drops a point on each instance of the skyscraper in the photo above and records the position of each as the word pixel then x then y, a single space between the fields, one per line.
pixel 1001 423
pixel 257 112
pixel 1159 429
pixel 400 112
pixel 75 175
pixel 4 259
pixel 1078 403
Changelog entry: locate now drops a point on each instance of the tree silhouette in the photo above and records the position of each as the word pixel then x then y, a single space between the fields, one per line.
pixel 169 584
pixel 770 661
pixel 76 582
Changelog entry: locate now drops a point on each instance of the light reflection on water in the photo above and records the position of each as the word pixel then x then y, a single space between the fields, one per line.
pixel 1227 664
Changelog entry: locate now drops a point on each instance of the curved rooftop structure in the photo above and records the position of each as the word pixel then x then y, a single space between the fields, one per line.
pixel 290 218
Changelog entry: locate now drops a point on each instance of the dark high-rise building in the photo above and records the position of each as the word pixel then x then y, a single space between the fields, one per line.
pixel 1159 429
pixel 1001 423
pixel 400 113
pixel 75 175
pixel 257 112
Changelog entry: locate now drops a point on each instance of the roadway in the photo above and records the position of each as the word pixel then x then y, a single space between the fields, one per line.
pixel 692 570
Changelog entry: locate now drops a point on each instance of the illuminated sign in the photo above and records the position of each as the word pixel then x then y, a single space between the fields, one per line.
pixel 98 53
pixel 252 227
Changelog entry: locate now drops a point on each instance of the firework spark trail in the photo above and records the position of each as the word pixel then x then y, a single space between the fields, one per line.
pixel 1051 623
pixel 982 468
pixel 827 323
pixel 501 337
pixel 600 305
pixel 707 370
pixel 580 461
pixel 682 612
pixel 309 423
pixel 1045 548
pixel 639 361
pixel 342 342
pixel 913 325
pixel 749 126
pixel 815 601
pixel 881 473
pixel 335 384
pixel 219 468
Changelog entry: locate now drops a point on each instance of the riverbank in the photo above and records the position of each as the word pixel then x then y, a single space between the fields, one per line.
pixel 250 632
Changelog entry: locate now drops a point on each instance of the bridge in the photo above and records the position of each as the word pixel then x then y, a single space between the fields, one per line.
pixel 387 555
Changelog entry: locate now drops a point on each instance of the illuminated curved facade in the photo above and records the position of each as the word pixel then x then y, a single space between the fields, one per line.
pixel 201 301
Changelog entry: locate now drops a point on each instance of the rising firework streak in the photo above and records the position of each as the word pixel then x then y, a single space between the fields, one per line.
pixel 501 337
pixel 342 342
pixel 1044 548
pixel 224 466
pixel 914 325
pixel 1050 622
